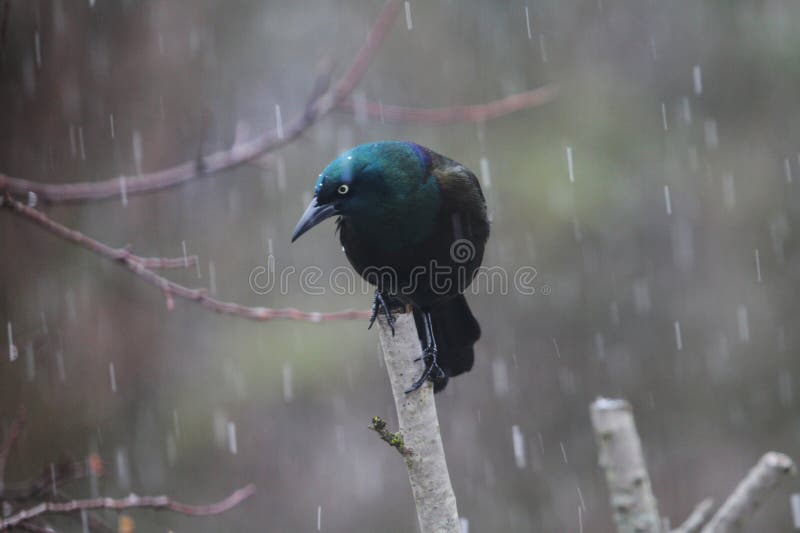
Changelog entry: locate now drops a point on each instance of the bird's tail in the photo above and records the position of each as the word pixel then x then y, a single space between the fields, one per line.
pixel 456 331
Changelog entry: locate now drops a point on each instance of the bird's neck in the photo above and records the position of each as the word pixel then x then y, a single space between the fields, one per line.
pixel 396 225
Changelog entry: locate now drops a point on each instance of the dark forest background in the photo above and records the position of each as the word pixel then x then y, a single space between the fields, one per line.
pixel 622 272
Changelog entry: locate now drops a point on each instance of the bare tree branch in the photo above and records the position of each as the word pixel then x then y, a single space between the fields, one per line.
pixel 47 482
pixel 699 515
pixel 132 501
pixel 448 115
pixel 768 473
pixel 395 440
pixel 620 455
pixel 419 428
pixel 170 288
pixel 213 164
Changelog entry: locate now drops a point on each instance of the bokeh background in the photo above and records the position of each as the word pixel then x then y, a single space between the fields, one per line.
pixel 694 102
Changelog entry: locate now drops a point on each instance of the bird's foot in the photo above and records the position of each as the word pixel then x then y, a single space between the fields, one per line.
pixel 379 305
pixel 432 369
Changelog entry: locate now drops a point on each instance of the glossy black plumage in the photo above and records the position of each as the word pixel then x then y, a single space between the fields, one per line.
pixel 413 223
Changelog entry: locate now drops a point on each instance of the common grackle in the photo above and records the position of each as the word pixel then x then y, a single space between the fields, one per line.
pixel 413 223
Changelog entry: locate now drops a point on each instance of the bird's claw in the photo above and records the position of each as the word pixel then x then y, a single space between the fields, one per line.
pixel 432 369
pixel 379 305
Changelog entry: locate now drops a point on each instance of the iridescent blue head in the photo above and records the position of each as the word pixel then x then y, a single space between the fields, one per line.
pixel 383 186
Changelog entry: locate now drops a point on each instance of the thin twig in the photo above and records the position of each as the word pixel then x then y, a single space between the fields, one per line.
pixel 395 440
pixel 768 473
pixel 167 262
pixel 699 516
pixel 29 526
pixel 448 115
pixel 132 501
pixel 214 164
pixel 46 483
pixel 170 288
pixel 13 434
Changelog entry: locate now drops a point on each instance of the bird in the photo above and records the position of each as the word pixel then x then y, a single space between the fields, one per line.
pixel 414 224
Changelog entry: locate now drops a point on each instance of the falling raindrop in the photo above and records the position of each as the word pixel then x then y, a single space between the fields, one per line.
pixel 555 345
pixel 176 426
pixel 463 522
pixel 667 200
pixel 563 453
pixel 570 168
pixel 111 123
pixel 137 151
pixel 486 175
pixel 231 432
pixel 319 507
pixel 613 310
pixel 528 22
pixel 758 267
pixel 123 468
pixel 794 501
pixel 576 229
pixel 664 116
pixel 288 394
pixel 580 498
pixel 641 296
pixel 80 143
pixel 123 191
pixel 212 279
pixel 185 257
pixel 409 24
pixel 112 376
pixel 788 170
pixel 30 361
pixel 678 337
pixel 694 159
pixel 711 136
pixel 697 79
pixel 742 323
pixel 687 110
pixel 37 45
pixel 12 348
pixel 500 376
pixel 62 375
pixel 542 47
pixel 278 121
pixel 519 446
pixel 600 345
pixel 728 192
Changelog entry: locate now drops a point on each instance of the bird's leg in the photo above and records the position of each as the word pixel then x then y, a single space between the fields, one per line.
pixel 429 356
pixel 379 305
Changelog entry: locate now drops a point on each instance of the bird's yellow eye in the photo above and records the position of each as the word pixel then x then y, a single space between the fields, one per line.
pixel 343 189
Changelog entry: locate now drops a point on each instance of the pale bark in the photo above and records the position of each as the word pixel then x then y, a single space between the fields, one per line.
pixel 771 470
pixel 419 426
pixel 620 455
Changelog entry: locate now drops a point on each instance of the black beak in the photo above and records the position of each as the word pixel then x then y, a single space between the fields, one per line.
pixel 313 215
